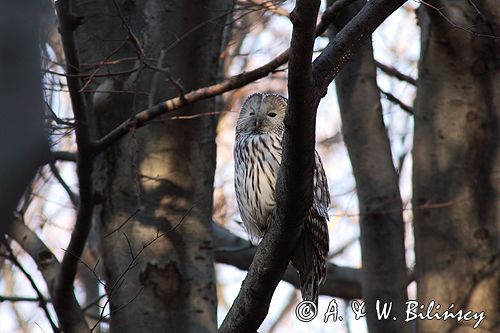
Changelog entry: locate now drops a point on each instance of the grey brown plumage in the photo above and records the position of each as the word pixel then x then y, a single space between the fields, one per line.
pixel 257 155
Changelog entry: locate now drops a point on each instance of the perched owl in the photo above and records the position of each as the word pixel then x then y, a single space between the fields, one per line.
pixel 257 156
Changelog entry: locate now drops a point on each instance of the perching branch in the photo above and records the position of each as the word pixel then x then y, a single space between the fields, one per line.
pixel 343 282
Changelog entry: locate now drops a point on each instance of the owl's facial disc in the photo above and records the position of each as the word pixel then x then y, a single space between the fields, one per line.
pixel 263 113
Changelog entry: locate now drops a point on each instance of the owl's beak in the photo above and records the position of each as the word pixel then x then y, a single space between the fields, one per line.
pixel 258 123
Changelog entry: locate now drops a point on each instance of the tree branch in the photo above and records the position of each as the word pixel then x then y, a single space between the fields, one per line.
pixel 71 316
pixel 393 99
pixel 46 262
pixel 394 72
pixel 234 82
pixel 72 196
pixel 66 156
pixel 343 282
pixel 142 118
pixel 15 299
pixel 328 64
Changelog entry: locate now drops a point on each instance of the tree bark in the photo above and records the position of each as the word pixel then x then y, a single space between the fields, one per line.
pixel 156 184
pixel 456 162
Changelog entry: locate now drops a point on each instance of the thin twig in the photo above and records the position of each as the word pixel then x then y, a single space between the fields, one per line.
pixel 72 196
pixel 93 302
pixel 271 6
pixel 154 81
pixel 441 13
pixel 393 99
pixel 21 299
pixel 123 223
pixel 290 305
pixel 394 72
pixel 342 248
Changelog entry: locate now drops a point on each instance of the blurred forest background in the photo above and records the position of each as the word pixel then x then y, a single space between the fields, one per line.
pixel 139 214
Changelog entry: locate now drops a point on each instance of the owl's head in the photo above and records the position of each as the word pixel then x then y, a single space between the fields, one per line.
pixel 262 114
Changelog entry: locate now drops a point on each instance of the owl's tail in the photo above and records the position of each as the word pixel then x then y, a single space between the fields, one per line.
pixel 311 267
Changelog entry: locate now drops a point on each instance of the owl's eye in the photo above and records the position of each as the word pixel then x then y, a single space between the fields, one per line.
pixel 252 113
pixel 271 114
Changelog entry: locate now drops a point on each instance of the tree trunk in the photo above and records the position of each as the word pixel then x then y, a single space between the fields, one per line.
pixel 157 182
pixel 455 165
pixel 381 219
pixel 20 104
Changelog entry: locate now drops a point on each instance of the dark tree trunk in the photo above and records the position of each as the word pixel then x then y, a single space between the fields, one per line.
pixel 456 162
pixel 381 219
pixel 159 178
pixel 20 104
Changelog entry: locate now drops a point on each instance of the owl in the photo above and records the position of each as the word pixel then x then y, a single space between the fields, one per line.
pixel 257 156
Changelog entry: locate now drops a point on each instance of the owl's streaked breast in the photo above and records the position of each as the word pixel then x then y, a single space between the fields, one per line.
pixel 257 160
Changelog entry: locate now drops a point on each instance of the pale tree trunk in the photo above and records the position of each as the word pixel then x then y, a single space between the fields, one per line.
pixel 158 180
pixel 456 163
pixel 384 273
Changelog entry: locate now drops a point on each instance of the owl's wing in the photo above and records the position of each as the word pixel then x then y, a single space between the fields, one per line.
pixel 311 254
pixel 321 200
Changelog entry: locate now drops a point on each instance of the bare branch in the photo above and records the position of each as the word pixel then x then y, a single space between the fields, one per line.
pixel 343 282
pixel 271 6
pixel 15 299
pixel 290 305
pixel 350 39
pixel 397 74
pixel 393 99
pixel 71 317
pixel 141 118
pixel 441 15
pixel 72 196
pixel 234 82
pixel 330 13
pixel 44 259
pixel 66 156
